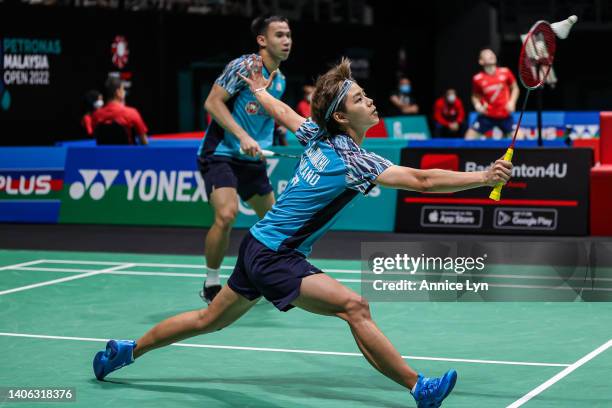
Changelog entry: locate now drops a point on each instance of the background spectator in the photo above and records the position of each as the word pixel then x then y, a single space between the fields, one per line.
pixel 449 115
pixel 303 106
pixel 93 101
pixel 116 114
pixel 402 101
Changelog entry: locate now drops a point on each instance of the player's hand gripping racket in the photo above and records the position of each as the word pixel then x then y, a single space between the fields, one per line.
pixel 535 62
pixel 270 153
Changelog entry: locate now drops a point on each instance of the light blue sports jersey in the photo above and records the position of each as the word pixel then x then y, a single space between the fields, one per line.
pixel 245 109
pixel 331 172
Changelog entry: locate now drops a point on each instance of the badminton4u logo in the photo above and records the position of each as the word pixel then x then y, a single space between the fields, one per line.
pixel 97 189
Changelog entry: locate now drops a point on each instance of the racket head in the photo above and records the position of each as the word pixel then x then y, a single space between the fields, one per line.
pixel 537 55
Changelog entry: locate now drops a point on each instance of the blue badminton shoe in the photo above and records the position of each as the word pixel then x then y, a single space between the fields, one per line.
pixel 430 392
pixel 118 353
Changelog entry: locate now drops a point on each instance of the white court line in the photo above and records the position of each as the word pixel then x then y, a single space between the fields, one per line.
pixel 345 280
pixel 151 273
pixel 19 265
pixel 111 271
pixel 298 351
pixel 167 265
pixel 559 376
pixel 347 271
pixel 66 279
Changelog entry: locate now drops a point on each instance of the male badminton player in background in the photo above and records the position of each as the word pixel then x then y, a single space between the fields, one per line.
pixel 494 96
pixel 229 157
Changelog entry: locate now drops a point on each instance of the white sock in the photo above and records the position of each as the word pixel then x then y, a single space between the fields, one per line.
pixel 212 277
pixel 413 388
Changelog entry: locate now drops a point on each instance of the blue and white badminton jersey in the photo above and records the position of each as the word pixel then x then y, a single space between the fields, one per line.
pixel 245 109
pixel 331 172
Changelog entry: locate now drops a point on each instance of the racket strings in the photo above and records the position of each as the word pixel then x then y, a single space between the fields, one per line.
pixel 537 55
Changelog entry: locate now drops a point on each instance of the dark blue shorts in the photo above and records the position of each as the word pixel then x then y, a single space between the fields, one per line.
pixel 275 275
pixel 247 177
pixel 483 124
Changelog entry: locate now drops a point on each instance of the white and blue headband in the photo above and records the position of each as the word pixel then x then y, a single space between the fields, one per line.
pixel 344 89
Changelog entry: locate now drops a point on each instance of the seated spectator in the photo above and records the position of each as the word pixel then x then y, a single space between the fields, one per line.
pixel 402 101
pixel 116 113
pixel 303 106
pixel 448 115
pixel 93 101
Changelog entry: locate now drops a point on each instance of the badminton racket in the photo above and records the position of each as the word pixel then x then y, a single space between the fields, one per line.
pixel 535 62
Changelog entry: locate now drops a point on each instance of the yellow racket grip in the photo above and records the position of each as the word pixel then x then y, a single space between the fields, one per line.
pixel 496 193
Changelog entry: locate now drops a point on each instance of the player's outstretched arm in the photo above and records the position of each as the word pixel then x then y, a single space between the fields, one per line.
pixel 444 181
pixel 280 111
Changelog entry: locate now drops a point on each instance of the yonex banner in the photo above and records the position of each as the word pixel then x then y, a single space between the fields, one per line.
pixel 162 186
pixel 547 195
pixel 132 185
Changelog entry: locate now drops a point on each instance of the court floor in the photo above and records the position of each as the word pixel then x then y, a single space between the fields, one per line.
pixel 58 308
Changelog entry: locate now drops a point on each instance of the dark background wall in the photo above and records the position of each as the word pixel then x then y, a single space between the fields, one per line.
pixel 174 57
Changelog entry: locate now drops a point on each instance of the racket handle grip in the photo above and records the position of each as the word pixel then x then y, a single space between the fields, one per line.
pixel 496 193
pixel 264 152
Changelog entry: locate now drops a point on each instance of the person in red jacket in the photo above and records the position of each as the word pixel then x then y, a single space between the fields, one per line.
pixel 93 101
pixel 448 115
pixel 115 111
pixel 303 106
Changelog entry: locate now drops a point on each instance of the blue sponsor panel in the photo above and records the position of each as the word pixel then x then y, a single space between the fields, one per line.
pixel 30 211
pixel 579 125
pixel 31 180
pixel 162 186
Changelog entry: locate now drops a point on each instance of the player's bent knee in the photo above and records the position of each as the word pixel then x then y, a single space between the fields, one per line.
pixel 357 308
pixel 225 217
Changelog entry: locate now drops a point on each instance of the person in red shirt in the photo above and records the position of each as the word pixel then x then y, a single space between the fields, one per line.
pixel 115 111
pixel 494 95
pixel 303 106
pixel 448 115
pixel 93 101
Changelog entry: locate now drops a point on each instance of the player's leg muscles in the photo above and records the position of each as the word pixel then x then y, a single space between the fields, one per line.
pixel 322 294
pixel 262 203
pixel 224 201
pixel 227 307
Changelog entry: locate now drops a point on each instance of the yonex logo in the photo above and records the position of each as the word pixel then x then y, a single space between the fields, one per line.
pixel 96 189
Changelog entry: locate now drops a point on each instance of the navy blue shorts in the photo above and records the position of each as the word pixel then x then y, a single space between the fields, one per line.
pixel 483 124
pixel 275 275
pixel 247 177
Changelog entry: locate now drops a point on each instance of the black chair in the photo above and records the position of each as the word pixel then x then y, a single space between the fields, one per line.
pixel 111 134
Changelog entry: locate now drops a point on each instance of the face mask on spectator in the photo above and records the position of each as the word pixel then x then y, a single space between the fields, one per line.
pixel 98 104
pixel 308 98
pixel 405 89
pixel 451 98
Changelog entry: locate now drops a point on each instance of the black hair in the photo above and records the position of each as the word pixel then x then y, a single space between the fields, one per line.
pixel 90 99
pixel 260 24
pixel 111 85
